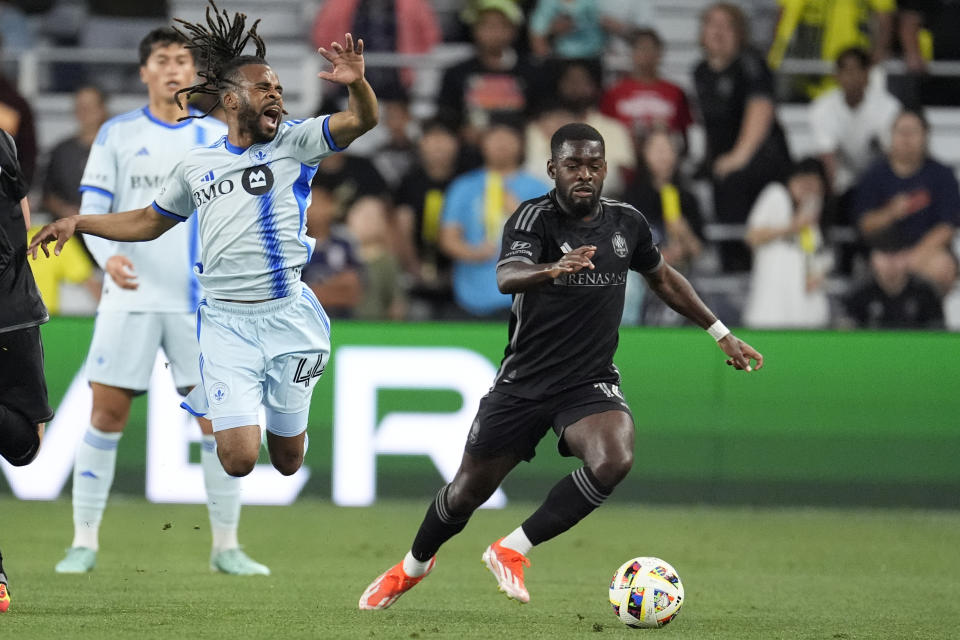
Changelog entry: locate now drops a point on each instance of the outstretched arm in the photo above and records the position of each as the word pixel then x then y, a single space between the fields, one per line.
pixel 362 112
pixel 126 226
pixel 671 287
pixel 518 276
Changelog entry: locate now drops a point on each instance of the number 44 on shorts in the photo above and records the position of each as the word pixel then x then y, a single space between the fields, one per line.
pixel 305 373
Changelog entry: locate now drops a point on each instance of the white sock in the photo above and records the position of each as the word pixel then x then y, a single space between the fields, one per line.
pixel 93 472
pixel 223 497
pixel 413 567
pixel 518 541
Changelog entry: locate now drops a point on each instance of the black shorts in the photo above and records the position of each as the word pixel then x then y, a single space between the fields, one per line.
pixel 510 424
pixel 23 387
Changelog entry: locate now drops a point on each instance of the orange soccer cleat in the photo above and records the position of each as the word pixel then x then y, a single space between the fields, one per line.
pixel 506 565
pixel 389 586
pixel 4 597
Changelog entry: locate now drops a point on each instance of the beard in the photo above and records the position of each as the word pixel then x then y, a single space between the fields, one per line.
pixel 578 207
pixel 249 120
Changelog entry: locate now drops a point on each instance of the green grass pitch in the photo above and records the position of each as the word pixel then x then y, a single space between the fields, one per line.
pixel 748 573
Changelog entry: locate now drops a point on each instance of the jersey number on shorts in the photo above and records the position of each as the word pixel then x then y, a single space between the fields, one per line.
pixel 305 374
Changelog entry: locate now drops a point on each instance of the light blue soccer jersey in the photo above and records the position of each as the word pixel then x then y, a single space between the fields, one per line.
pixel 250 205
pixel 128 161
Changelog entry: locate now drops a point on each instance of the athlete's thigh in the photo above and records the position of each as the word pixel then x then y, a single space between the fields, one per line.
pixel 479 476
pixel 297 345
pixel 124 349
pixel 231 371
pixel 179 342
pixel 241 441
pixel 593 422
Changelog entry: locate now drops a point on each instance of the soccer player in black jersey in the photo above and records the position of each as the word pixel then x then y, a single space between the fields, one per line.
pixel 564 258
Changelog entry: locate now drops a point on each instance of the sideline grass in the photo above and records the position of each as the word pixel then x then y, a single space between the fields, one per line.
pixel 748 573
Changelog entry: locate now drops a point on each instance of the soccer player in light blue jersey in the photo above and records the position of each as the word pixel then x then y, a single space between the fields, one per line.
pixel 149 298
pixel 264 338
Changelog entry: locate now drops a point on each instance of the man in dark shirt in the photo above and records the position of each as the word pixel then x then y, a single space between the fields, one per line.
pixel 23 389
pixel 894 299
pixel 565 257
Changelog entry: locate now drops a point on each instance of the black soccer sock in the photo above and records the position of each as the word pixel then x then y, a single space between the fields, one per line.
pixel 19 439
pixel 438 526
pixel 569 502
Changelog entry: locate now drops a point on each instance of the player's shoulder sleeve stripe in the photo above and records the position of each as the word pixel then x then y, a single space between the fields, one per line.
pixel 90 187
pixel 329 137
pixel 291 123
pixel 530 212
pixel 219 142
pixel 169 214
pixel 623 206
pixel 112 122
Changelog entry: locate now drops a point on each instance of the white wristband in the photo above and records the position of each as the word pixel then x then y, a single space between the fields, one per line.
pixel 718 331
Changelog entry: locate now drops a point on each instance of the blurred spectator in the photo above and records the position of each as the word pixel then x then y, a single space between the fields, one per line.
pixel 746 147
pixel 578 92
pixel 394 157
pixel 673 212
pixel 16 118
pixel 851 125
pixel 386 26
pixel 348 177
pixel 474 210
pixel 893 299
pixel 928 29
pixel 61 182
pixel 821 29
pixel 571 29
pixel 789 266
pixel 909 202
pixel 369 223
pixel 643 100
pixel 334 270
pixel 496 82
pixel 72 266
pixel 419 202
pixel 659 194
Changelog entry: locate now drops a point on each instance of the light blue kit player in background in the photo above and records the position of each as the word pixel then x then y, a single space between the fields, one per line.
pixel 264 339
pixel 149 298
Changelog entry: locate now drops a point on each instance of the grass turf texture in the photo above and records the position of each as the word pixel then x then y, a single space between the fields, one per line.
pixel 748 573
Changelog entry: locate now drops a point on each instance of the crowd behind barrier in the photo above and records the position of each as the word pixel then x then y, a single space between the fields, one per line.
pixel 799 166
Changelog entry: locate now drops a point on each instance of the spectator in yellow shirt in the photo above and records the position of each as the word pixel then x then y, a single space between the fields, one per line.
pixel 71 266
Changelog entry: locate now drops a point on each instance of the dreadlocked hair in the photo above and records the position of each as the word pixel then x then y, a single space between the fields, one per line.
pixel 218 48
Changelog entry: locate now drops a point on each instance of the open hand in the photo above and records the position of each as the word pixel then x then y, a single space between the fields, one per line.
pixel 740 353
pixel 347 61
pixel 61 231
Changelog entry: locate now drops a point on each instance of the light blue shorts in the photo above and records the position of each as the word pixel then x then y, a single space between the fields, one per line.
pixel 264 353
pixel 125 343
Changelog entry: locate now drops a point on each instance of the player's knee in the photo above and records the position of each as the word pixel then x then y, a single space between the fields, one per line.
pixel 108 419
pixel 613 468
pixel 237 464
pixel 463 500
pixel 287 463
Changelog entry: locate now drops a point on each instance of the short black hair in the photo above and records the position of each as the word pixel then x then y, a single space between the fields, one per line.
pixel 809 166
pixel 575 131
pixel 437 124
pixel 162 36
pixel 857 53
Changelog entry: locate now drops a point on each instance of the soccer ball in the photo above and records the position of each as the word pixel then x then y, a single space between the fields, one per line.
pixel 646 593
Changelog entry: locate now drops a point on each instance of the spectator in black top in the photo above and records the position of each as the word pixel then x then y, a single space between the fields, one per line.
pixel 61 183
pixel 894 299
pixel 419 205
pixel 746 147
pixel 23 390
pixel 349 178
pixel 494 83
pixel 937 19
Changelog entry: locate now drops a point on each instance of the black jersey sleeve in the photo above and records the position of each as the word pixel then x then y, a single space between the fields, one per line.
pixel 523 234
pixel 646 256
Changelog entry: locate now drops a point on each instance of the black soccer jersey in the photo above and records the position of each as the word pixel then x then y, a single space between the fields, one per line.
pixel 564 333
